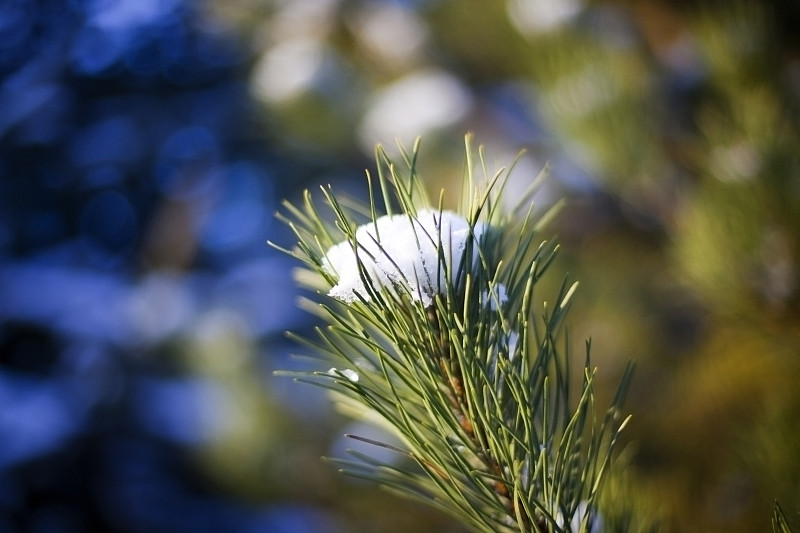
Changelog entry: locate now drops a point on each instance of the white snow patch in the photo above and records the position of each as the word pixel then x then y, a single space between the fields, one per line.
pixel 352 375
pixel 402 251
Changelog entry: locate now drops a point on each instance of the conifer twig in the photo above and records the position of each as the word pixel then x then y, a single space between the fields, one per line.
pixel 438 332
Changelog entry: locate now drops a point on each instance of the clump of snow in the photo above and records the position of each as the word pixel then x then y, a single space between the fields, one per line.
pixel 404 251
pixel 352 375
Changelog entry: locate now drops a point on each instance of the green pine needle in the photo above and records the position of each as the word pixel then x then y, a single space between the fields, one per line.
pixel 474 384
pixel 779 522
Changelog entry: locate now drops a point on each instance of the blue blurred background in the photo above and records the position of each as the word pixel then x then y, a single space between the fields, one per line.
pixel 141 311
pixel 146 144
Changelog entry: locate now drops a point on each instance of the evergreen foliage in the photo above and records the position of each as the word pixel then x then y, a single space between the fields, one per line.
pixel 476 384
pixel 779 523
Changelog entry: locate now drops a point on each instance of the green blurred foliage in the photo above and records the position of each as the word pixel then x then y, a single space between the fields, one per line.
pixel 686 240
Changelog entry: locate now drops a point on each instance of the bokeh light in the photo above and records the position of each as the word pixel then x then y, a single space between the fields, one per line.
pixel 146 144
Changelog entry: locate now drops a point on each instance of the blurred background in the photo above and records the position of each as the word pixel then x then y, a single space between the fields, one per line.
pixel 146 144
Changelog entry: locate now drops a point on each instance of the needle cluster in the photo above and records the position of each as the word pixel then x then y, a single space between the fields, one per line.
pixel 435 328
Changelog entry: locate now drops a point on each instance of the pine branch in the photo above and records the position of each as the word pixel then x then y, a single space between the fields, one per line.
pixel 432 328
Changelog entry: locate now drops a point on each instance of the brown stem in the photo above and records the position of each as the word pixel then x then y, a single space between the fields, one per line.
pixel 453 377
